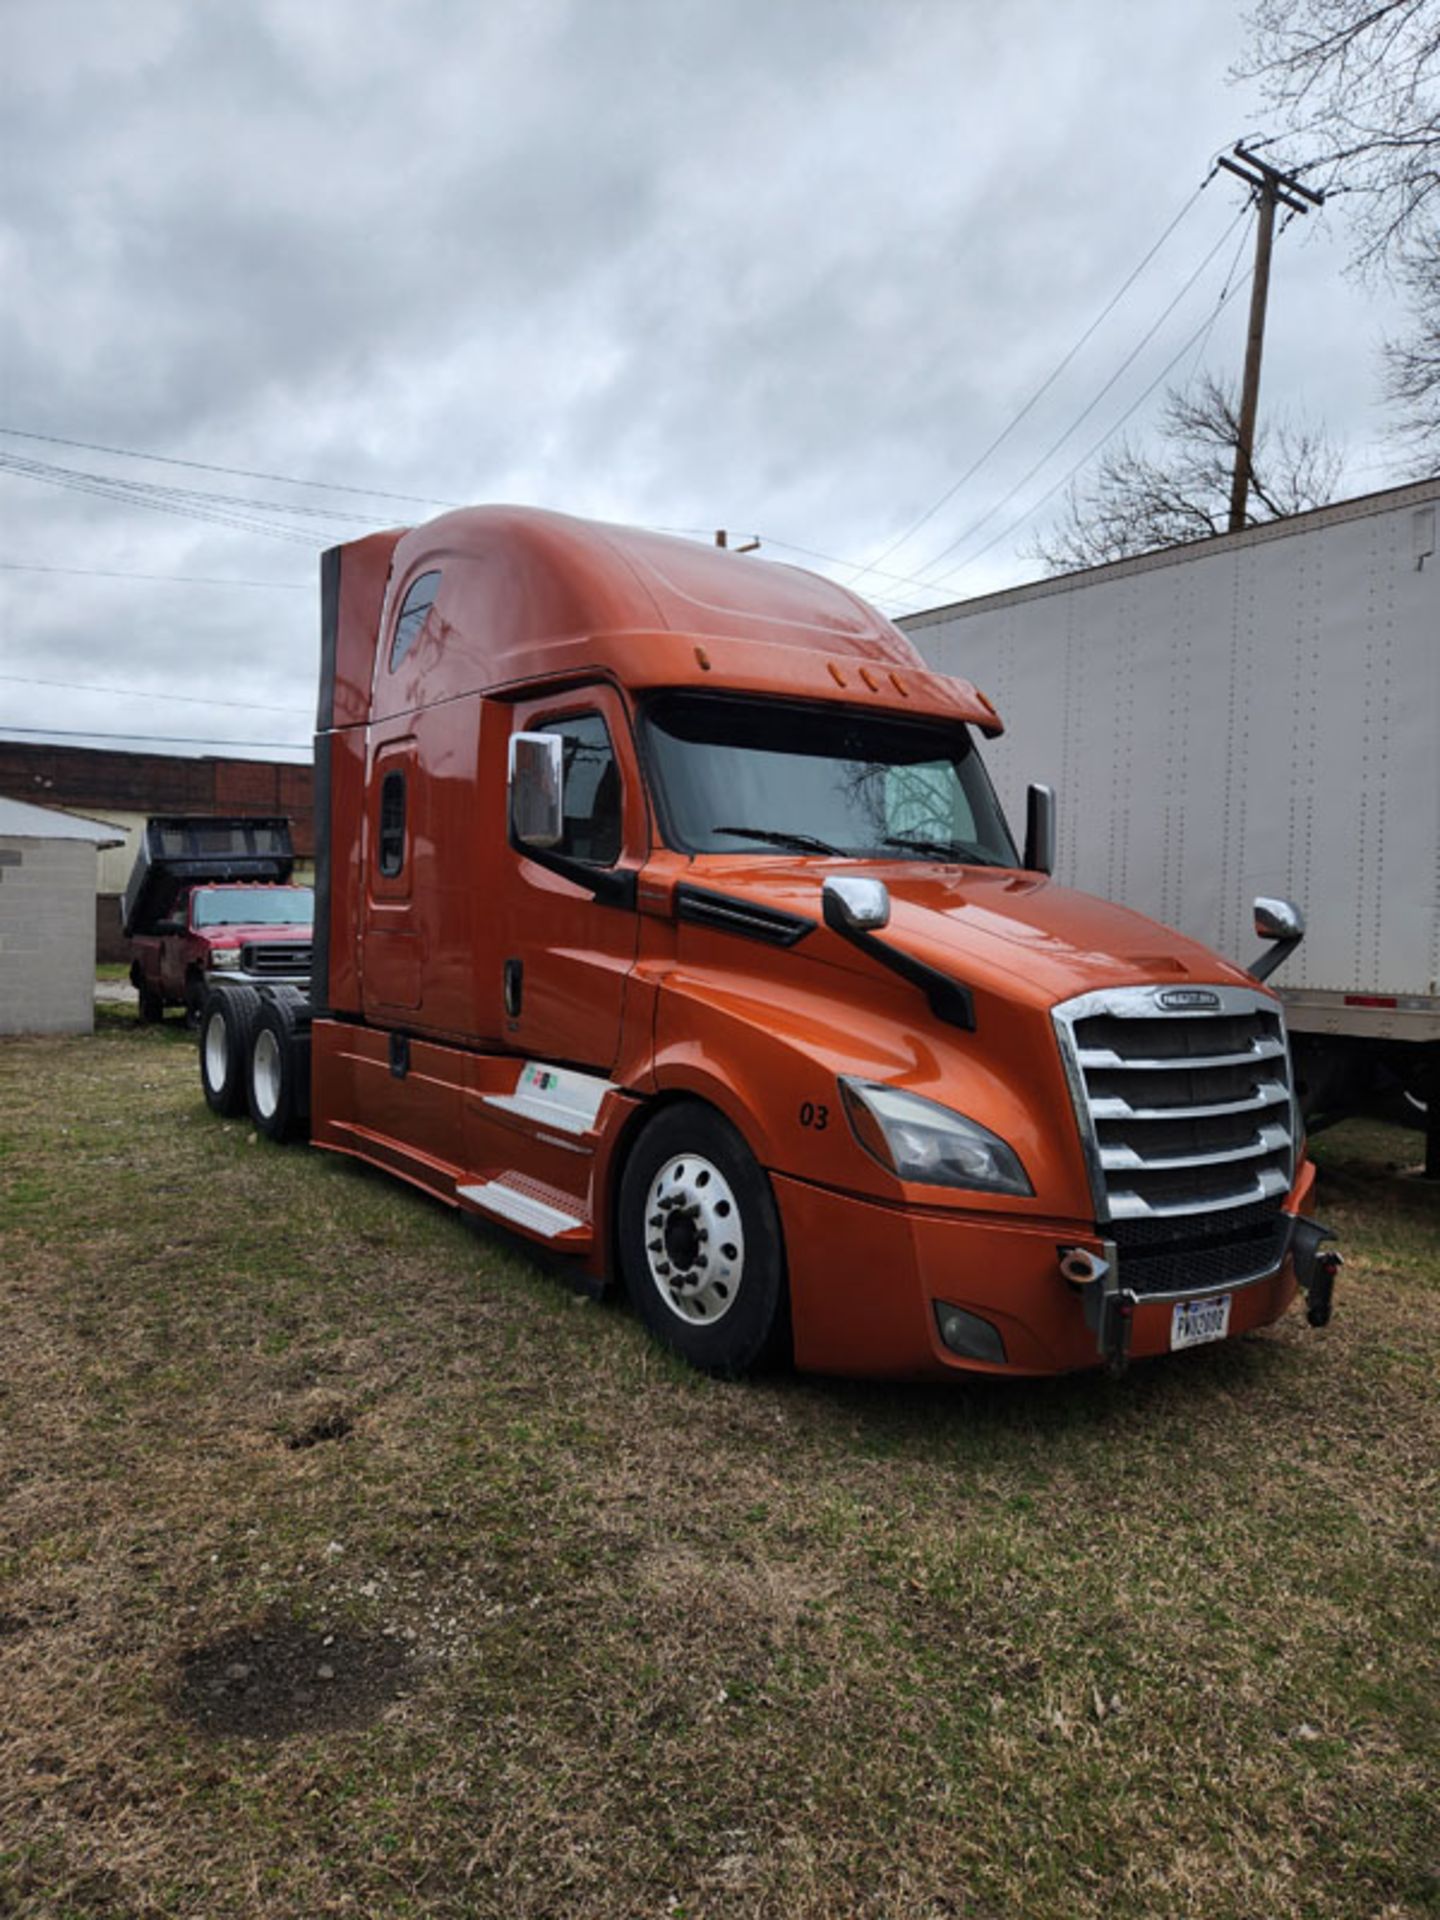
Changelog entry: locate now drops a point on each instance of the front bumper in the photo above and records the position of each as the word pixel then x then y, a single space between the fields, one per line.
pixel 865 1279
pixel 219 975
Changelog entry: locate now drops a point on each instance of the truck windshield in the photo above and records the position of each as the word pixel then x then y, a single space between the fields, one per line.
pixel 253 907
pixel 781 777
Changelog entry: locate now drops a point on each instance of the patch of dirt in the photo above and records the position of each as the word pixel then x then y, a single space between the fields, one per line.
pixel 329 1426
pixel 279 1678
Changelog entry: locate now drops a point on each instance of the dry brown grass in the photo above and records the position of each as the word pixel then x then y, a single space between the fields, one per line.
pixel 608 1639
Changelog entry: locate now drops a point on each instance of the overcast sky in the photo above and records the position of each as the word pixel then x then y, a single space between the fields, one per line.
pixel 786 268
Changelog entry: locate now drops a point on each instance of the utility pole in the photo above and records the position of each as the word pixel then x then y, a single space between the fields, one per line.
pixel 1270 187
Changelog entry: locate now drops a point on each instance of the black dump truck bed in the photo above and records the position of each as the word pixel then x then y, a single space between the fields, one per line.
pixel 179 851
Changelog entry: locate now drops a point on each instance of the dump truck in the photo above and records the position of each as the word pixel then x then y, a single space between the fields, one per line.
pixel 667 918
pixel 209 895
pixel 1258 712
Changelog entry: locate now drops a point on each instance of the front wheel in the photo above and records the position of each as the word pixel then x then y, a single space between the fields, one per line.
pixel 700 1248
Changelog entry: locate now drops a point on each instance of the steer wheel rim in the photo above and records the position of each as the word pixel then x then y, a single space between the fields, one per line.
pixel 216 1050
pixel 694 1240
pixel 265 1072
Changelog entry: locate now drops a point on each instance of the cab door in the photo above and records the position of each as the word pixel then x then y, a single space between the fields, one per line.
pixel 565 919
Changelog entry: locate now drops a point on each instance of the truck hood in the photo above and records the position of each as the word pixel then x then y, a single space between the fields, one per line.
pixel 1017 935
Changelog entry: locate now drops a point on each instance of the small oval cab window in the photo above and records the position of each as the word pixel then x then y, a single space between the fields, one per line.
pixel 417 604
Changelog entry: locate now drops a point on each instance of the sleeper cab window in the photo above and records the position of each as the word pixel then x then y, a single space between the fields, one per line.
pixel 416 605
pixel 592 790
pixel 391 844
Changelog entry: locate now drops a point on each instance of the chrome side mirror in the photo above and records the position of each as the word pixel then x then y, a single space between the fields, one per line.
pixel 537 790
pixel 1280 921
pixel 855 906
pixel 1039 828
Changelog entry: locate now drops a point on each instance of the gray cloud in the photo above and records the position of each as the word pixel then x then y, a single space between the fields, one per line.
pixel 781 267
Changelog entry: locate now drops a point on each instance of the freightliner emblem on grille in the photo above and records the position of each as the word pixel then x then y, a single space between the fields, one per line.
pixel 1187 1000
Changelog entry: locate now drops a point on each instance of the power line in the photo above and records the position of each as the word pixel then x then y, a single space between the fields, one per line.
pixel 1087 410
pixel 187 579
pixel 96 484
pixel 1038 394
pixel 156 739
pixel 145 693
pixel 147 490
pixel 1109 433
pixel 239 473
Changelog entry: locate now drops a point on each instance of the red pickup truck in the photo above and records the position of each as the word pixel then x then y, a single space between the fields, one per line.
pixel 246 932
pixel 212 897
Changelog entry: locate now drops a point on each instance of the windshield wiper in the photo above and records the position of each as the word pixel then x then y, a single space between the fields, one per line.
pixel 796 842
pixel 954 850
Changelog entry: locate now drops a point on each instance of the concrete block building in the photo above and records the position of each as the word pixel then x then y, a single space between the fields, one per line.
pixel 48 872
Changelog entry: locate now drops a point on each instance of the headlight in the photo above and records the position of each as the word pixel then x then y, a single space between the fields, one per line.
pixel 919 1140
pixel 224 959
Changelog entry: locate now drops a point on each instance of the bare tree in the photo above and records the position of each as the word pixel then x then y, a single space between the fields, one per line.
pixel 1359 82
pixel 1137 501
pixel 1413 371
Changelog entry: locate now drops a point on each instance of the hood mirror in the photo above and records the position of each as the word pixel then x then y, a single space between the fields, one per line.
pixel 537 790
pixel 1280 921
pixel 855 906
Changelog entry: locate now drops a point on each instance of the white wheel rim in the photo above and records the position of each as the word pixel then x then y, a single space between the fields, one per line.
pixel 265 1072
pixel 694 1240
pixel 217 1051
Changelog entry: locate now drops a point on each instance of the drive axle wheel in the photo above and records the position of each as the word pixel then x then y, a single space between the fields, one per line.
pixel 227 1021
pixel 700 1245
pixel 277 1083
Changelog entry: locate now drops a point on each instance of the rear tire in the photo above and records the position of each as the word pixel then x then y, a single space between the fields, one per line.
pixel 277 1076
pixel 227 1023
pixel 700 1244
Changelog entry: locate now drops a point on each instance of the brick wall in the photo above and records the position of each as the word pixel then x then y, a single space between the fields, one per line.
pixel 47 926
pixel 93 782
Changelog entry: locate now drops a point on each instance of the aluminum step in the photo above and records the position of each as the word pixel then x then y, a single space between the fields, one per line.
pixel 521 1209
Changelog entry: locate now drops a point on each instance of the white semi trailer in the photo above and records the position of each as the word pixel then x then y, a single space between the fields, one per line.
pixel 1253 714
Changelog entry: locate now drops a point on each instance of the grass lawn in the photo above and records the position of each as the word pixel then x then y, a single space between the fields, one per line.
pixel 349 1564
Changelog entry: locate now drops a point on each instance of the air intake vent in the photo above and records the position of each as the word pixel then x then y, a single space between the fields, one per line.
pixel 1186 1115
pixel 770 924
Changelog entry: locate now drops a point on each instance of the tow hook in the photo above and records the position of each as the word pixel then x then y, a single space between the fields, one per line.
pixel 1109 1308
pixel 1081 1267
pixel 1315 1268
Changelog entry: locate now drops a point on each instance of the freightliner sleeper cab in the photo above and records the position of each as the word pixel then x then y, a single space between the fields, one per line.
pixel 666 916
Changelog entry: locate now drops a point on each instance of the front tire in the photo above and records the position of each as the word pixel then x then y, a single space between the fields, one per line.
pixel 227 1022
pixel 700 1245
pixel 152 1005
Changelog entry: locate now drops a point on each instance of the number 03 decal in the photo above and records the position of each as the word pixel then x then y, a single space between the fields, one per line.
pixel 814 1116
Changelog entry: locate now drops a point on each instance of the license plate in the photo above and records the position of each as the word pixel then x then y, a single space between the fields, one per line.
pixel 1196 1321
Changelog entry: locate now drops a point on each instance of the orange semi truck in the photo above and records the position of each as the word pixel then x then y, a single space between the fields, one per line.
pixel 666 917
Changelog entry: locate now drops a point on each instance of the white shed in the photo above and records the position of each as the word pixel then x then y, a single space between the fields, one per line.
pixel 48 864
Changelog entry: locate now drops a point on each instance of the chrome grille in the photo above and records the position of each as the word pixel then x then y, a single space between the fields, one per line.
pixel 277 959
pixel 1186 1113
